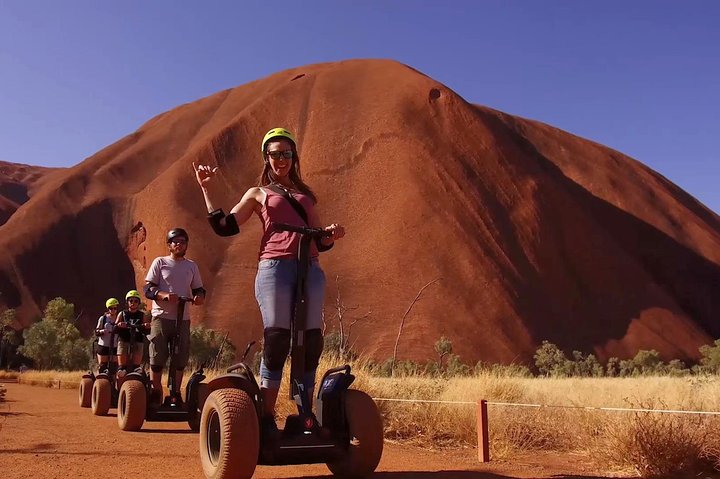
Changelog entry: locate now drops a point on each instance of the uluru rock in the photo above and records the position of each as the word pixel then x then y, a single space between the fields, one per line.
pixel 532 233
pixel 17 183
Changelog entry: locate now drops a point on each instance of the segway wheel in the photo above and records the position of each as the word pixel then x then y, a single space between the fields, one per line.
pixel 229 435
pixel 85 390
pixel 366 437
pixel 132 405
pixel 101 397
pixel 202 394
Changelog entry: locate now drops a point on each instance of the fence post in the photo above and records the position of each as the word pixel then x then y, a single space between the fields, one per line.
pixel 482 432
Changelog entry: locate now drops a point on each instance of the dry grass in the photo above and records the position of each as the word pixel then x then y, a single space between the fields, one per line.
pixel 51 378
pixel 8 374
pixel 647 444
pixel 659 445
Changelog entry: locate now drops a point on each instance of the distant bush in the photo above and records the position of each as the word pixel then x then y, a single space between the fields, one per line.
pixel 54 342
pixel 550 360
pixel 710 360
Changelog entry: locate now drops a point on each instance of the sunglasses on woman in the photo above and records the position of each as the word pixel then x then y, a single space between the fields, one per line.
pixel 275 155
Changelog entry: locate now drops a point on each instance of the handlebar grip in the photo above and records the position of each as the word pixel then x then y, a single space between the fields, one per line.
pixel 315 232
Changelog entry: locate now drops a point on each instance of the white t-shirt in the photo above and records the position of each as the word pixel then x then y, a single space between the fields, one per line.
pixel 179 277
pixel 107 324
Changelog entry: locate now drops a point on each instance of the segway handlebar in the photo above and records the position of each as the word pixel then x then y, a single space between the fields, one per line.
pixel 338 369
pixel 304 230
pixel 139 327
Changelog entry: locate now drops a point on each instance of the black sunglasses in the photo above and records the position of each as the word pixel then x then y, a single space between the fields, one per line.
pixel 275 155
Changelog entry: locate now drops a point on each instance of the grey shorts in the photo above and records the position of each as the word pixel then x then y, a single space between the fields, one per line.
pixel 124 348
pixel 162 331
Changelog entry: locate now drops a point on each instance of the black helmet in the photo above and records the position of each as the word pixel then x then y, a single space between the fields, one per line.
pixel 175 232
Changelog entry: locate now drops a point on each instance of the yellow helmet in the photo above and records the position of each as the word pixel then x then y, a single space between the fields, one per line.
pixel 275 133
pixel 133 294
pixel 111 302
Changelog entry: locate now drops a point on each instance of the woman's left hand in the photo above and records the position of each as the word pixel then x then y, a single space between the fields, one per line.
pixel 336 230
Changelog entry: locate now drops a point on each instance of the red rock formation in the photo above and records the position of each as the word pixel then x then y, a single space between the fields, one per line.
pixel 17 183
pixel 534 233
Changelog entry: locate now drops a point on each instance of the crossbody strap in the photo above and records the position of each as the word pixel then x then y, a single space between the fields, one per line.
pixel 300 211
pixel 293 202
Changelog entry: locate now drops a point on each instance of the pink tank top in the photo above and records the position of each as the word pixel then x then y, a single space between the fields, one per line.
pixel 276 209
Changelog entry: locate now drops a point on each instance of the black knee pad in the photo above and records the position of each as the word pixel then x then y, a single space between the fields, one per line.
pixel 313 348
pixel 156 369
pixel 276 347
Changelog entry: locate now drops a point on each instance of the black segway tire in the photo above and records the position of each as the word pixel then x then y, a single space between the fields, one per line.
pixel 229 435
pixel 202 394
pixel 101 397
pixel 366 437
pixel 132 406
pixel 85 390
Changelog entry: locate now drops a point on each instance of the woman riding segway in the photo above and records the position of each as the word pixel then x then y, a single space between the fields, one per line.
pixel 277 267
pixel 290 289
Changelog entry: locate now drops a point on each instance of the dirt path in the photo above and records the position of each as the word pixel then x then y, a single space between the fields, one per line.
pixel 45 434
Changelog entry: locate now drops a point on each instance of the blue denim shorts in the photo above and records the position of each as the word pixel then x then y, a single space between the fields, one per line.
pixel 275 285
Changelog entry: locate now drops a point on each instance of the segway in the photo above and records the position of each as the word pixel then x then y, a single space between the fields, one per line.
pixel 86 388
pixel 136 406
pixel 346 433
pixel 133 396
pixel 104 388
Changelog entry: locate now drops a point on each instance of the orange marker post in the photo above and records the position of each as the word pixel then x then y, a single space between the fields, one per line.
pixel 482 432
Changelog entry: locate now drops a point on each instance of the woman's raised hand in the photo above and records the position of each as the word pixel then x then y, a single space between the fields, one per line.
pixel 203 174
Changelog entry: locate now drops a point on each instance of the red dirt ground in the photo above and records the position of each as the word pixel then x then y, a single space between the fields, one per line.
pixel 45 434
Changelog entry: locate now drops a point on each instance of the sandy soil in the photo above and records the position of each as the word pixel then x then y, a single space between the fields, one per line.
pixel 45 434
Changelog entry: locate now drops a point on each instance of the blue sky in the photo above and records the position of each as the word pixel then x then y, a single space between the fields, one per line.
pixel 642 77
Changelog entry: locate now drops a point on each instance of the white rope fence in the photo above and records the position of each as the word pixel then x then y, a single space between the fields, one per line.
pixel 430 401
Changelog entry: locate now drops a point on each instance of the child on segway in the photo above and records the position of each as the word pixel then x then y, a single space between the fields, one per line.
pixel 107 340
pixel 96 390
pixel 132 326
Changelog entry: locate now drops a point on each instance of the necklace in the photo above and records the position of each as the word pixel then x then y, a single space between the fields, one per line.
pixel 284 188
